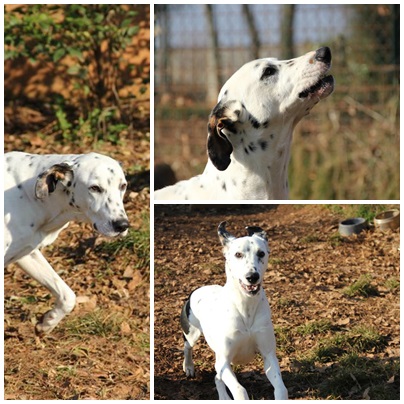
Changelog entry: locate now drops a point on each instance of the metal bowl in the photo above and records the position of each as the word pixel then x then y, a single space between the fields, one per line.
pixel 389 219
pixel 353 225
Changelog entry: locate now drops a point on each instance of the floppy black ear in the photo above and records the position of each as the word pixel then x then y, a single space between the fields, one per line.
pixel 47 181
pixel 219 147
pixel 256 231
pixel 224 235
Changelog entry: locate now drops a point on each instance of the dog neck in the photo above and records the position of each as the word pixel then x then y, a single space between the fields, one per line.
pixel 259 165
pixel 245 305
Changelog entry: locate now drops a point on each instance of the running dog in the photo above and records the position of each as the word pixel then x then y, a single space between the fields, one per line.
pixel 235 318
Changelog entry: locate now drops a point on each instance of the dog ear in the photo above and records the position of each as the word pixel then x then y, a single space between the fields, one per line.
pixel 219 147
pixel 224 235
pixel 256 231
pixel 47 181
pixel 222 122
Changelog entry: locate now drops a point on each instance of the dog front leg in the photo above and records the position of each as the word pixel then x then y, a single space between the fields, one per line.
pixel 226 377
pixel 273 373
pixel 39 268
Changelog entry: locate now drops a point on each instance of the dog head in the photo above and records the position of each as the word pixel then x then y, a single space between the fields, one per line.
pixel 246 258
pixel 263 96
pixel 94 186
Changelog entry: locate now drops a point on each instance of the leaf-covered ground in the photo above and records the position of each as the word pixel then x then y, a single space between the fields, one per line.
pixel 335 301
pixel 101 350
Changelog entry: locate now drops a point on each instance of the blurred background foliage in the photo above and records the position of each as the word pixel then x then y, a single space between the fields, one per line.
pixel 82 69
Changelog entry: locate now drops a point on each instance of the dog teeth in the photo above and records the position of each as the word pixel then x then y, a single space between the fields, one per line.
pixel 250 288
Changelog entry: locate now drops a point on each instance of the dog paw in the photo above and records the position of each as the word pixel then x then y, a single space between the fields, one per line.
pixel 189 370
pixel 46 323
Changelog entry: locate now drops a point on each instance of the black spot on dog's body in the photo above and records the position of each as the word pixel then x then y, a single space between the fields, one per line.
pixel 263 144
pixel 254 122
pixel 252 147
pixel 224 186
pixel 246 150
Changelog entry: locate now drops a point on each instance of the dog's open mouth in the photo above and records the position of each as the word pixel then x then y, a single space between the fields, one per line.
pixel 321 89
pixel 250 289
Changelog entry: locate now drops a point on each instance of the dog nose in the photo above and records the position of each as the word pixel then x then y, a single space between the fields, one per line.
pixel 323 54
pixel 252 277
pixel 120 225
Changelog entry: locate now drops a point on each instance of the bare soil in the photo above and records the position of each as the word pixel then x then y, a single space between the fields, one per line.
pixel 330 344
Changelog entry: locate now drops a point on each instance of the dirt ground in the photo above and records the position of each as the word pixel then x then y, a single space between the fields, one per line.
pixel 330 344
pixel 101 350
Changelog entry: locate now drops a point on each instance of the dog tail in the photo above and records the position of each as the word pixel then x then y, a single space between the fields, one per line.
pixel 185 313
pixel 186 309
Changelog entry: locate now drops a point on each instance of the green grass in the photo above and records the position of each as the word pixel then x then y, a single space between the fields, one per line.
pixel 137 241
pixel 339 365
pixel 392 284
pixel 310 238
pixel 314 327
pixel 354 375
pixel 94 323
pixel 368 212
pixel 361 287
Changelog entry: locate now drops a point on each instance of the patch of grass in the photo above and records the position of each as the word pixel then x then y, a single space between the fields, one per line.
pixel 286 302
pixel 368 212
pixel 284 339
pixel 359 377
pixel 315 327
pixel 361 287
pixel 95 323
pixel 336 239
pixel 137 241
pixel 364 339
pixel 392 284
pixel 360 339
pixel 311 238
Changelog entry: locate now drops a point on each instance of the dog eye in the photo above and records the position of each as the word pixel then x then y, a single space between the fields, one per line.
pixel 96 189
pixel 261 254
pixel 268 71
pixel 239 255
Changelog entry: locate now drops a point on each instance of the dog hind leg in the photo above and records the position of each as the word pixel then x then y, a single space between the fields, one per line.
pixel 191 335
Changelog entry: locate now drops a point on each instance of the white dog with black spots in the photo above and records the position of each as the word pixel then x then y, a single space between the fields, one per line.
pixel 235 319
pixel 250 129
pixel 42 194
